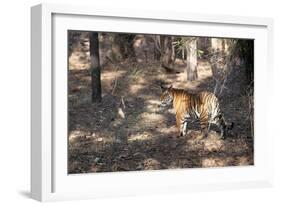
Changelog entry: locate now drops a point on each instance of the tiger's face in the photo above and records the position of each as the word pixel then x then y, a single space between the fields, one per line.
pixel 166 97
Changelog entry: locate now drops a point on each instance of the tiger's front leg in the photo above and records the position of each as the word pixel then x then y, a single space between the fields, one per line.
pixel 184 128
pixel 179 125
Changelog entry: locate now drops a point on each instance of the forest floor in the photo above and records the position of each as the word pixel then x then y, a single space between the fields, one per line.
pixel 127 131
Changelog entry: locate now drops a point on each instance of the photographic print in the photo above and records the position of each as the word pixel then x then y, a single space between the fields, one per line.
pixel 151 102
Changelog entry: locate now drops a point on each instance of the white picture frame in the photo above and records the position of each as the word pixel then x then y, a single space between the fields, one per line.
pixel 49 178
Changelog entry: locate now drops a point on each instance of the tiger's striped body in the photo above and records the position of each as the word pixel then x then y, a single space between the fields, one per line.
pixel 203 106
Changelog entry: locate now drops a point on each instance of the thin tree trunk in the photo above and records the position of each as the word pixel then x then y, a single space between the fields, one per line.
pixel 191 60
pixel 167 52
pixel 220 63
pixel 174 56
pixel 95 67
pixel 157 47
pixel 249 61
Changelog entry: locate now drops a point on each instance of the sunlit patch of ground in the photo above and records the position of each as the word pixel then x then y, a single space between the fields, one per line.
pixel 79 60
pixel 139 136
pixel 228 160
pixel 163 129
pixel 213 162
pixel 111 75
pixel 150 164
pixel 135 88
pixel 211 143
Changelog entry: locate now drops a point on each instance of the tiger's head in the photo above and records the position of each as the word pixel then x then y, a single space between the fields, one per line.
pixel 166 97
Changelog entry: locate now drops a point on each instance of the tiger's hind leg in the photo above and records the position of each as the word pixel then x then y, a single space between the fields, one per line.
pixel 204 124
pixel 183 128
pixel 179 125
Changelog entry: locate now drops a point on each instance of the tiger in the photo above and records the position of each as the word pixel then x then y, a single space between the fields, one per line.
pixel 203 106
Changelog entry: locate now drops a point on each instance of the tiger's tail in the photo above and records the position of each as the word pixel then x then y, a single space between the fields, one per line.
pixel 224 126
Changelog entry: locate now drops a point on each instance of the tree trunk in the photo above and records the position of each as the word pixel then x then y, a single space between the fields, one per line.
pixel 157 47
pixel 167 51
pixel 95 67
pixel 174 56
pixel 249 61
pixel 191 60
pixel 116 47
pixel 204 44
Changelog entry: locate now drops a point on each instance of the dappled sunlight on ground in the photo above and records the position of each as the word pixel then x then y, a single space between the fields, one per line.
pixel 150 164
pixel 145 137
pixel 213 162
pixel 211 143
pixel 154 102
pixel 79 60
pixel 168 131
pixel 228 160
pixel 139 136
pixel 204 70
pixel 243 161
pixel 111 75
pixel 152 105
pixel 135 88
pixel 151 118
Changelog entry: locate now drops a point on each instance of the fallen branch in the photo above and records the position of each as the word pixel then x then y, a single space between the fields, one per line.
pixel 121 113
pixel 122 102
